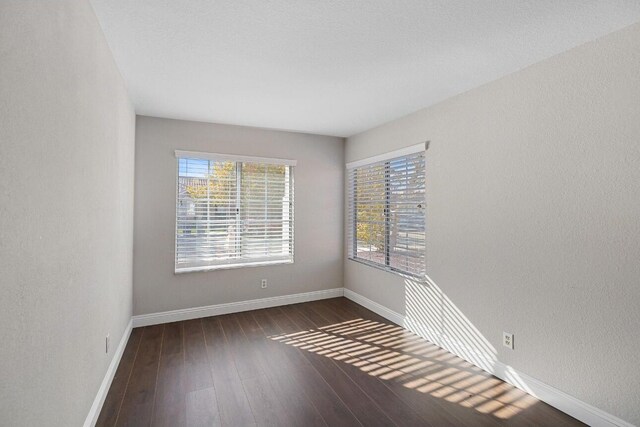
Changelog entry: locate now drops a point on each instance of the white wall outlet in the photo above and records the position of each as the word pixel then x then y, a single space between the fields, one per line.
pixel 106 344
pixel 507 340
pixel 263 283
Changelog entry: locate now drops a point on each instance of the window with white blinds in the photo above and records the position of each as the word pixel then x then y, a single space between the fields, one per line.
pixel 387 213
pixel 233 211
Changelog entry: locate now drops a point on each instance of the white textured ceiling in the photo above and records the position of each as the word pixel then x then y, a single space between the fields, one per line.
pixel 334 67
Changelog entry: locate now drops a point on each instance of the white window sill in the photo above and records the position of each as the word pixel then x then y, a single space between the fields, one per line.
pixel 230 266
pixel 386 268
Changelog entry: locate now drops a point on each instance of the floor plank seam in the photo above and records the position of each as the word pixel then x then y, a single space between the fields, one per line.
pixel 244 390
pixel 155 387
pixel 213 382
pixel 133 364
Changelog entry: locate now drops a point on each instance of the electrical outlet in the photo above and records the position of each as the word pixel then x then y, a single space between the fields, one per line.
pixel 106 344
pixel 263 283
pixel 507 340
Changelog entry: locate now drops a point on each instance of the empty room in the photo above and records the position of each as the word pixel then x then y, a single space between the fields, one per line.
pixel 319 213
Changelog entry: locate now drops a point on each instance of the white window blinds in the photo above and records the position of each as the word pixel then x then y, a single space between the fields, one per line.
pixel 232 212
pixel 387 213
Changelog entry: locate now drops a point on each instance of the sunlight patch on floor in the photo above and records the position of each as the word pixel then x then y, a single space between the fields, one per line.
pixel 392 353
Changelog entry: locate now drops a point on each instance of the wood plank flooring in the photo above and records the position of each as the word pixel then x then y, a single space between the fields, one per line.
pixel 323 363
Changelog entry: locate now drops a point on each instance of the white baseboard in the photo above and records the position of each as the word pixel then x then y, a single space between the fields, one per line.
pixel 383 311
pixel 578 409
pixel 94 412
pixel 568 404
pixel 233 307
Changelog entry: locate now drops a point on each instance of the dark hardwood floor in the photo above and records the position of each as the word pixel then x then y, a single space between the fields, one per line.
pixel 324 363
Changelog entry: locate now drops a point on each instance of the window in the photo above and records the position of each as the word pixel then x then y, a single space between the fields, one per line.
pixel 387 211
pixel 232 211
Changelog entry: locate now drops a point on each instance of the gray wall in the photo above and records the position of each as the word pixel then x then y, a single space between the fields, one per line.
pixel 533 221
pixel 319 177
pixel 66 211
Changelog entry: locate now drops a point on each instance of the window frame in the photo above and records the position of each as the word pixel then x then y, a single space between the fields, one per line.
pixel 352 225
pixel 238 161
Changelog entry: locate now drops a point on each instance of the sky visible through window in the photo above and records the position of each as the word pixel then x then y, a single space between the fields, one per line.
pixel 193 168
